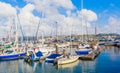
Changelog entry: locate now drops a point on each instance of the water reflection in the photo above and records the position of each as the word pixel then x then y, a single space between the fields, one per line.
pixel 88 66
pixel 107 62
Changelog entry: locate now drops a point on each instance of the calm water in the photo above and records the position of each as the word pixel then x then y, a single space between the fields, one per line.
pixel 107 62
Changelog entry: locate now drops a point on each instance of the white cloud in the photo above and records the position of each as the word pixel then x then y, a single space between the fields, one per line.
pixel 88 15
pixel 6 14
pixel 6 10
pixel 65 4
pixel 50 10
pixel 26 16
pixel 28 21
pixel 112 26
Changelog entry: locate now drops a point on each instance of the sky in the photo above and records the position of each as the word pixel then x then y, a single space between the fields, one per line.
pixel 65 15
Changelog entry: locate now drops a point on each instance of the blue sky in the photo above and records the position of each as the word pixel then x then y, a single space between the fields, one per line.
pixel 95 5
pixel 107 10
pixel 112 7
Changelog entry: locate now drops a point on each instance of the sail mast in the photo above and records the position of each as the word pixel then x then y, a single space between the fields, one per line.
pixel 16 34
pixel 95 32
pixel 37 30
pixel 82 18
pixel 71 39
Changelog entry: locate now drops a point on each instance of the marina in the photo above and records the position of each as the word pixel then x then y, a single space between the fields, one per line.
pixel 59 36
pixel 109 56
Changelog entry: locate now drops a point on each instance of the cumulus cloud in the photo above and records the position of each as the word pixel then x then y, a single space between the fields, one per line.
pixel 28 20
pixel 64 3
pixel 6 10
pixel 112 26
pixel 88 15
pixel 67 4
pixel 56 13
pixel 52 7
pixel 27 17
pixel 6 14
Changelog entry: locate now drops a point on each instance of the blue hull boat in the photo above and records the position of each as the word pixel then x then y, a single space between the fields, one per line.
pixel 82 51
pixel 12 56
pixel 52 57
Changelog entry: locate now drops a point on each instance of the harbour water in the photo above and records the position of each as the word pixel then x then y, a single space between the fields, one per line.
pixel 107 62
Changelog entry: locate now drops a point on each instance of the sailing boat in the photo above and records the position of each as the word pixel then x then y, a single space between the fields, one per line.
pixel 13 51
pixel 36 53
pixel 67 58
pixel 54 56
pixel 71 65
pixel 84 48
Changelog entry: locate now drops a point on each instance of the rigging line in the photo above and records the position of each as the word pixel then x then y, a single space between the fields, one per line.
pixel 20 27
pixel 37 29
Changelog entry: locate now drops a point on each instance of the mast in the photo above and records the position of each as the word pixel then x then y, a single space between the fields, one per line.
pixel 56 32
pixel 71 38
pixel 56 38
pixel 21 29
pixel 82 19
pixel 9 32
pixel 16 35
pixel 95 29
pixel 95 32
pixel 37 30
pixel 86 29
pixel 42 39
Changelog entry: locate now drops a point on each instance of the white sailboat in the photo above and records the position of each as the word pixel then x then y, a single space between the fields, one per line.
pixel 84 48
pixel 37 51
pixel 54 56
pixel 13 51
pixel 69 58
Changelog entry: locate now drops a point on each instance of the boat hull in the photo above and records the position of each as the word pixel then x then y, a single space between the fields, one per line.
pixel 52 57
pixel 12 56
pixel 82 52
pixel 28 59
pixel 71 59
